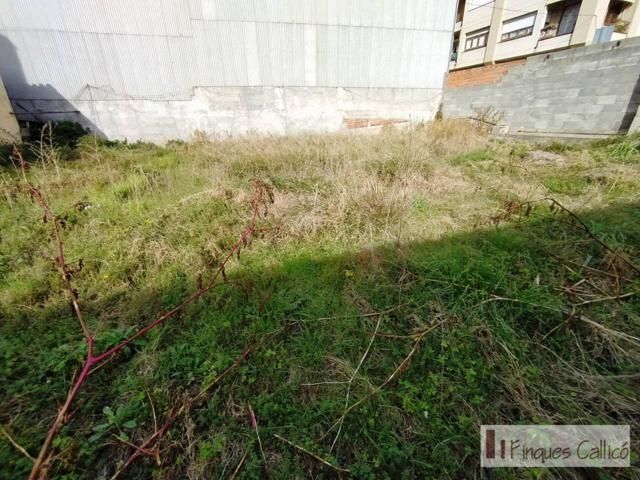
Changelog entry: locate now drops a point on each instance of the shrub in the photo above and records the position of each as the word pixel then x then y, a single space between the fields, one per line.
pixel 60 134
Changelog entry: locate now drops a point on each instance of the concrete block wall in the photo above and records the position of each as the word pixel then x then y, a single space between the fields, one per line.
pixel 586 90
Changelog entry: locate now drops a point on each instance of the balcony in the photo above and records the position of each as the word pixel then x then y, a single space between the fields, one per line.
pixel 553 42
pixel 549 31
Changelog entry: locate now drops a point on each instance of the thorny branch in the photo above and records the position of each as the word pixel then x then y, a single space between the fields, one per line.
pixel 262 195
pixel 583 226
pixel 65 272
pixel 151 442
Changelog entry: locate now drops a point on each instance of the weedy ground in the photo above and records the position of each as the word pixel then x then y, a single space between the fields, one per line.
pixel 371 241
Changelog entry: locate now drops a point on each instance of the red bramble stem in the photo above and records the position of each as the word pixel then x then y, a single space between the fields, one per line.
pixel 261 195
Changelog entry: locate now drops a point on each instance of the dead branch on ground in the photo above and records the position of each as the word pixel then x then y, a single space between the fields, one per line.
pixel 352 378
pixel 16 445
pixel 583 226
pixel 312 455
pixel 389 379
pixel 254 425
pixel 239 466
pixel 151 443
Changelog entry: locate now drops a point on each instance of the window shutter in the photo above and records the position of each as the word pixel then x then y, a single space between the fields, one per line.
pixel 519 23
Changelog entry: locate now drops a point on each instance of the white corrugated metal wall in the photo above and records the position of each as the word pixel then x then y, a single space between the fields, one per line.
pixel 161 49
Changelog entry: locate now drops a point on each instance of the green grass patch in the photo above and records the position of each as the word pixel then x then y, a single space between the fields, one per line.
pixel 477 156
pixel 566 185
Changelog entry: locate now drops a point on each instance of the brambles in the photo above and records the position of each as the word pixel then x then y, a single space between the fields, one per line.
pixel 258 201
pixel 487 117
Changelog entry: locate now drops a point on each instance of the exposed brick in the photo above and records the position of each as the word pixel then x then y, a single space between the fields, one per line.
pixel 370 122
pixel 481 75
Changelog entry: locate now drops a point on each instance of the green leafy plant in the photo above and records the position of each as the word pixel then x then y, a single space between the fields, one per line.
pixel 119 421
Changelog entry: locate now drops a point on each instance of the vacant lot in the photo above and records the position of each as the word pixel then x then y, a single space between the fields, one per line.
pixel 402 289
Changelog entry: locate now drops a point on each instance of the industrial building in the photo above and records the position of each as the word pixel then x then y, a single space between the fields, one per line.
pixel 162 69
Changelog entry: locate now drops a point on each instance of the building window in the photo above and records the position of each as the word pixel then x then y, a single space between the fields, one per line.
pixel 518 27
pixel 476 39
pixel 569 19
pixel 614 12
pixel 561 20
pixel 615 15
pixel 456 46
pixel 460 14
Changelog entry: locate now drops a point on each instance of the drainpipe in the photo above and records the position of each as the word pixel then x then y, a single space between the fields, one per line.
pixel 494 31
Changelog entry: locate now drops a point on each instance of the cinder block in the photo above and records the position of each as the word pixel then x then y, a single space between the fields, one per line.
pixel 591 109
pixel 607 99
pixel 608 118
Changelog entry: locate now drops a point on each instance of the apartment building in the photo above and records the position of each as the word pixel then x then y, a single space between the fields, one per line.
pixel 488 32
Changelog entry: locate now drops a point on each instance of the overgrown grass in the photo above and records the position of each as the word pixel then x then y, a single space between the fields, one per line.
pixel 426 226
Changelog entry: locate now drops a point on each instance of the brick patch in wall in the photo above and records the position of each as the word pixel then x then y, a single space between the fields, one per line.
pixel 371 122
pixel 481 75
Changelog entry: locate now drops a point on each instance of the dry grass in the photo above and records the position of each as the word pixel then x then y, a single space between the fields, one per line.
pixel 344 185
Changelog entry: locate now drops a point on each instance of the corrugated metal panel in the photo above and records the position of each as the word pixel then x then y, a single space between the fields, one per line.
pixel 151 17
pixel 211 56
pixel 310 53
pixel 230 52
pixel 161 49
pixel 195 9
pixel 321 55
pixel 370 13
pixel 252 55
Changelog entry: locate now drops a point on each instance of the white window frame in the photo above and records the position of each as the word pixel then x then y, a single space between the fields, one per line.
pixel 523 30
pixel 476 39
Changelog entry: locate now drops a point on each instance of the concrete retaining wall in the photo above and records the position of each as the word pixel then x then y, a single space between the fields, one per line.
pixel 9 131
pixel 585 90
pixel 238 110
